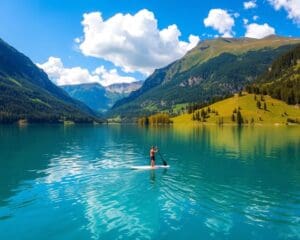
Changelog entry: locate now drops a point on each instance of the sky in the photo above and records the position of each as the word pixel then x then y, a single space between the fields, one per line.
pixel 112 41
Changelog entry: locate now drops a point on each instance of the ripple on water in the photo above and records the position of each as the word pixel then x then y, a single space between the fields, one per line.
pixel 213 191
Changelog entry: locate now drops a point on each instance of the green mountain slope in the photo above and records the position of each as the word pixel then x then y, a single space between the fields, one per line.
pixel 100 98
pixel 282 79
pixel 213 70
pixel 27 93
pixel 272 111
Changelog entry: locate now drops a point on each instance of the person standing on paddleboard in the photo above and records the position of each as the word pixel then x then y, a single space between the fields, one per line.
pixel 153 150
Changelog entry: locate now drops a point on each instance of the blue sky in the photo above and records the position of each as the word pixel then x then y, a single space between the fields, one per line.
pixel 48 28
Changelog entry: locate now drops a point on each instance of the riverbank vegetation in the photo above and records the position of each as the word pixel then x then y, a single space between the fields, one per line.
pixel 156 119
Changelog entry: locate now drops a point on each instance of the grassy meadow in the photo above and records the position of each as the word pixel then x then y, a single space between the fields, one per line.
pixel 271 111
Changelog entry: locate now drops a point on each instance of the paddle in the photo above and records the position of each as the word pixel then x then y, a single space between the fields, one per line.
pixel 164 161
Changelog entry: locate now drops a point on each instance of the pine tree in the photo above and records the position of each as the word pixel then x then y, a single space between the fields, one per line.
pixel 258 104
pixel 233 117
pixel 146 121
pixel 239 118
pixel 197 116
pixel 203 113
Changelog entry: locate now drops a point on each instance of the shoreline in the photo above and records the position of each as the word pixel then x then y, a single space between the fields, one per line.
pixel 178 124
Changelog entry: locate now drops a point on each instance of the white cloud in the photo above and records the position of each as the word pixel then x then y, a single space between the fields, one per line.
pixel 245 21
pixel 255 17
pixel 255 30
pixel 133 42
pixel 77 40
pixel 250 4
pixel 108 77
pixel 221 21
pixel 292 7
pixel 61 75
pixel 236 15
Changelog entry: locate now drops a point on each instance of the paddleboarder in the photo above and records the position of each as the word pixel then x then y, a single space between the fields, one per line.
pixel 153 150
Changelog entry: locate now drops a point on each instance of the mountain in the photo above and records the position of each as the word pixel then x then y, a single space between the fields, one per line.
pixel 92 94
pixel 213 70
pixel 119 91
pixel 27 93
pixel 282 79
pixel 100 98
pixel 124 88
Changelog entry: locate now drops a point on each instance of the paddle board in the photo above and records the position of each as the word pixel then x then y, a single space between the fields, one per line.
pixel 147 167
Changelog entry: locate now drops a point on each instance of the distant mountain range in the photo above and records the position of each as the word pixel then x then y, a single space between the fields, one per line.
pixel 100 98
pixel 27 93
pixel 212 70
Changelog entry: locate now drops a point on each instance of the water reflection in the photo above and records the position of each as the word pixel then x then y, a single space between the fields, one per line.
pixel 223 182
pixel 152 176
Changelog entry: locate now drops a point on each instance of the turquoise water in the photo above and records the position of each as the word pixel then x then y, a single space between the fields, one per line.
pixel 224 183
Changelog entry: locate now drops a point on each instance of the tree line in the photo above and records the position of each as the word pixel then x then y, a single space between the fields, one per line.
pixel 156 119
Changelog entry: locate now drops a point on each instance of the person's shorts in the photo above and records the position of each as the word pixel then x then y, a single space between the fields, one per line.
pixel 152 158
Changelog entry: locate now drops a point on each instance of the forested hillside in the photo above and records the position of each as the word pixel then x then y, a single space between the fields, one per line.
pixel 282 79
pixel 27 93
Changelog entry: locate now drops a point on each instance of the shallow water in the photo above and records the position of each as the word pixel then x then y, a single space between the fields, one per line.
pixel 224 183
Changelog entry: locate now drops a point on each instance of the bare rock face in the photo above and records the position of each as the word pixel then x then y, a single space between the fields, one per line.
pixel 124 87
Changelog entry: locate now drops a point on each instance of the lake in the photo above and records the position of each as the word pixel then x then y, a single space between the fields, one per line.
pixel 74 182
